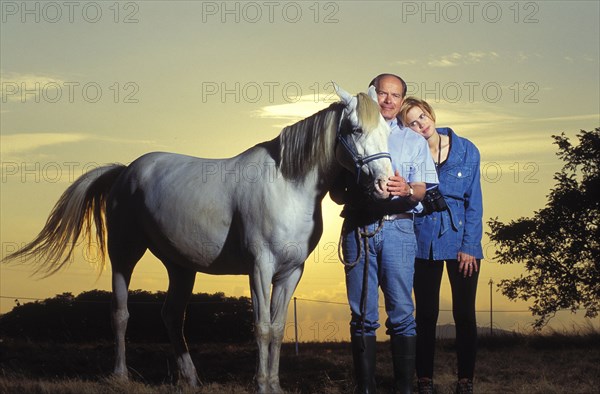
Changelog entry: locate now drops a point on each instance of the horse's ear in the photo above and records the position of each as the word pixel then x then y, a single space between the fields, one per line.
pixel 346 97
pixel 372 92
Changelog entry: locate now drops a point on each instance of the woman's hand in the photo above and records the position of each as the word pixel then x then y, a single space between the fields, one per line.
pixel 467 264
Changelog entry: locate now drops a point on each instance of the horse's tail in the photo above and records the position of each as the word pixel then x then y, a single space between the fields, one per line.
pixel 81 204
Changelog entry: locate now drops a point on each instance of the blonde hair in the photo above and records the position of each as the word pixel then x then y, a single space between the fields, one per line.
pixel 411 102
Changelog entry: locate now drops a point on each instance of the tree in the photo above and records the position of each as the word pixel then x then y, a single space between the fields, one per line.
pixel 559 244
pixel 86 318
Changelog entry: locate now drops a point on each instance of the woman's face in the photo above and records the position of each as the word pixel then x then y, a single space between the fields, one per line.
pixel 419 121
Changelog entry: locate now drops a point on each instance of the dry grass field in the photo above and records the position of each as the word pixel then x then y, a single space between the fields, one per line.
pixel 506 364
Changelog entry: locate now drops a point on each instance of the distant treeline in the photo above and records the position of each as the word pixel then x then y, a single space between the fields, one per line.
pixel 86 317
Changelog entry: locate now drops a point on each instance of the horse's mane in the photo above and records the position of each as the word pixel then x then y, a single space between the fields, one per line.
pixel 311 142
pixel 368 113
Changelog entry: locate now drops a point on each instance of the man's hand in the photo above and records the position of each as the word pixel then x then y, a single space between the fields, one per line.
pixel 398 186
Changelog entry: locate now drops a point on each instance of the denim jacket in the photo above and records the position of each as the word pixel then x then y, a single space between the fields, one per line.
pixel 459 228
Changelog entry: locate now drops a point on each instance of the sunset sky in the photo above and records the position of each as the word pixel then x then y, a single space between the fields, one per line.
pixel 89 83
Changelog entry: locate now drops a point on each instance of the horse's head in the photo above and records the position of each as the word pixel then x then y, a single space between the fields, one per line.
pixel 363 142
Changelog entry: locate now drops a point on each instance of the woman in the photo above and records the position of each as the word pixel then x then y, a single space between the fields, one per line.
pixel 449 230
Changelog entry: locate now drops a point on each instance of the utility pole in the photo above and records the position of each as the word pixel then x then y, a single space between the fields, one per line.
pixel 491 282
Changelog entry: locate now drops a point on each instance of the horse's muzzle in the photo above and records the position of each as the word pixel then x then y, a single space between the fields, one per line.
pixel 380 191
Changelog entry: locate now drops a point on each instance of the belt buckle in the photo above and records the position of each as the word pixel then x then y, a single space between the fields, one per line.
pixel 395 216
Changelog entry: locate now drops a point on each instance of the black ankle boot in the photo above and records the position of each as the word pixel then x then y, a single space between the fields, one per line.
pixel 363 355
pixel 425 386
pixel 403 357
pixel 464 387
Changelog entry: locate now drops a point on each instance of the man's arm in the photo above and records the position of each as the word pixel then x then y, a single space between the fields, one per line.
pixel 398 186
pixel 344 191
pixel 338 191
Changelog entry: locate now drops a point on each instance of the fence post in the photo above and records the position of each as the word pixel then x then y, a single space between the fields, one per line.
pixel 491 282
pixel 296 325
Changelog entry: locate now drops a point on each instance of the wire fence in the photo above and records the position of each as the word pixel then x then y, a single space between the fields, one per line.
pixel 17 300
pixel 310 324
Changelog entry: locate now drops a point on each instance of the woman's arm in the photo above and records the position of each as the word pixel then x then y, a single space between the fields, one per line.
pixel 471 243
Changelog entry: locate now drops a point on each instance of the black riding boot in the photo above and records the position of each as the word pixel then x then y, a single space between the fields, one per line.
pixel 363 354
pixel 403 357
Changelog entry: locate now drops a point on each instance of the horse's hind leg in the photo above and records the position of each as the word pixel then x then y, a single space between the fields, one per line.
pixel 181 284
pixel 124 255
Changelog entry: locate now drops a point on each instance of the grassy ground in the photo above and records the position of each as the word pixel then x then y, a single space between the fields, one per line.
pixel 508 364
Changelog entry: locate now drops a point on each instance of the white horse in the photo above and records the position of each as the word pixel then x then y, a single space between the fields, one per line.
pixel 258 213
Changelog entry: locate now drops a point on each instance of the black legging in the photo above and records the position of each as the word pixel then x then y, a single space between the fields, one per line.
pixel 428 277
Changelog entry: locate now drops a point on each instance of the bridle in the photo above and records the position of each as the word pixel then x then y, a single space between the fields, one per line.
pixel 358 160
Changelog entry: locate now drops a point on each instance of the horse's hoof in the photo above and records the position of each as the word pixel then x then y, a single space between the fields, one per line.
pixel 193 383
pixel 117 379
pixel 119 375
pixel 269 389
pixel 275 388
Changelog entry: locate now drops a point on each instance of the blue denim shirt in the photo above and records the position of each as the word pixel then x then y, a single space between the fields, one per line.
pixel 459 228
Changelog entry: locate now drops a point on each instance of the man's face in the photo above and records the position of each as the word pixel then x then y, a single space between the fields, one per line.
pixel 389 97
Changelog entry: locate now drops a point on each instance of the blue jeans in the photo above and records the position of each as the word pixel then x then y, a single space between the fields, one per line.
pixel 391 257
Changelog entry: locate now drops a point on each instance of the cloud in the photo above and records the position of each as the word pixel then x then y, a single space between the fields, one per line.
pixel 451 60
pixel 513 147
pixel 474 116
pixel 522 57
pixel 27 142
pixel 18 144
pixel 407 62
pixel 301 109
pixel 506 136
pixel 455 59
pixel 482 127
pixel 458 59
pixel 570 118
pixel 13 83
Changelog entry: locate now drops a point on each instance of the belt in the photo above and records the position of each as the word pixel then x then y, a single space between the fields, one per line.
pixel 396 216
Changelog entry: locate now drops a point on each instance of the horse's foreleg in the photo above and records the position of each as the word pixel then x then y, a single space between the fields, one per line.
pixel 280 300
pixel 260 288
pixel 181 284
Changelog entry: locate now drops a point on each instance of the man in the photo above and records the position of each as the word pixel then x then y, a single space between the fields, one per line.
pixel 389 258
